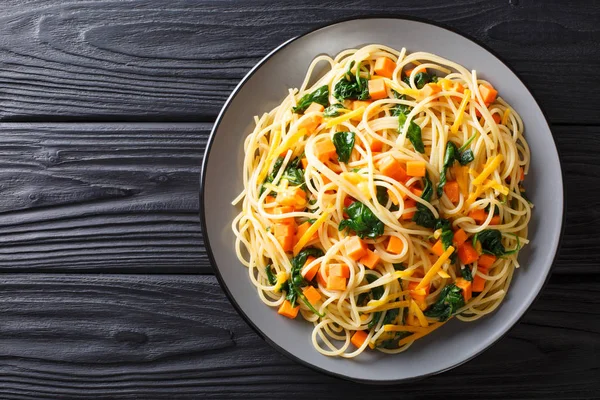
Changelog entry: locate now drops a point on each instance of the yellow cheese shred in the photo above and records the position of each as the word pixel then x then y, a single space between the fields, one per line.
pixel 276 150
pixel 435 267
pixel 418 335
pixel 345 117
pixel 492 164
pixel 388 306
pixel 505 116
pixel 402 328
pixel 419 314
pixel 461 111
pixel 310 231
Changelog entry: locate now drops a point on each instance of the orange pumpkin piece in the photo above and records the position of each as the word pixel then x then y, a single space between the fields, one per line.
pixel 430 89
pixel 485 261
pixel 409 203
pixel 479 282
pixel 460 236
pixel 452 191
pixel 359 337
pixel 312 295
pixel 465 285
pixel 395 245
pixel 287 310
pixel 314 107
pixel 479 215
pixel 467 253
pixel 488 93
pixel 384 66
pixel 310 274
pixel 377 89
pixel 286 242
pixel 415 168
pixel 336 283
pixel 438 248
pixel 370 260
pixel 392 168
pixel 355 248
pixel 325 150
pixel 339 270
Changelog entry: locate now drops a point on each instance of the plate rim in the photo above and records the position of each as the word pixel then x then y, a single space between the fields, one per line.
pixel 202 210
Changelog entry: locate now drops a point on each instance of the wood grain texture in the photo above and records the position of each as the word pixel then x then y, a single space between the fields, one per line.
pixel 179 60
pixel 166 337
pixel 124 198
pixel 101 197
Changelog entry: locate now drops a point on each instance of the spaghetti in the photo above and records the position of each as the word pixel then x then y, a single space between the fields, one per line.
pixel 384 199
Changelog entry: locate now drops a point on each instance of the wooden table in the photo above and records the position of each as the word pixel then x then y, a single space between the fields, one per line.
pixel 106 291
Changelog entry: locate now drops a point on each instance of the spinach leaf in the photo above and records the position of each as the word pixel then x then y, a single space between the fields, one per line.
pixel 376 294
pixel 271 177
pixel 422 79
pixel 320 95
pixel 352 87
pixel 344 143
pixel 447 234
pixel 450 300
pixel 362 221
pixel 491 243
pixel 270 276
pixel 400 108
pixel 399 267
pixel 333 110
pixel 466 157
pixel 392 343
pixel 467 274
pixel 413 133
pixel 294 173
pixel 488 208
pixel 449 158
pixel 382 195
pixel 423 216
pixel 296 281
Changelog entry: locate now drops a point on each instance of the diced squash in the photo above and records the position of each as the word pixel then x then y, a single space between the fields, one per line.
pixel 465 285
pixel 409 203
pixel 496 220
pixel 287 310
pixel 355 248
pixel 339 270
pixel 488 93
pixel 452 191
pixel 359 338
pixel 460 236
pixel 348 200
pixel 478 282
pixel 292 197
pixel 374 144
pixel 314 107
pixel 416 191
pixel 467 253
pixel 430 89
pixel 395 245
pixel 312 295
pixel 310 273
pixel 415 168
pixel 479 215
pixel 377 89
pixel 284 210
pixel 497 118
pixel 304 162
pixel 384 66
pixel 283 230
pixel 310 123
pixel 438 248
pixel 270 199
pixel 370 260
pixel 286 242
pixel 325 150
pixel 392 168
pixel 357 104
pixel 486 261
pixel 322 276
pixel 336 283
pixel 419 295
pixel 418 69
pixel 521 174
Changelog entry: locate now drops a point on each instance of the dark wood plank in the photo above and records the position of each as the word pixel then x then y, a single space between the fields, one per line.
pixel 101 197
pixel 165 337
pixel 124 198
pixel 179 60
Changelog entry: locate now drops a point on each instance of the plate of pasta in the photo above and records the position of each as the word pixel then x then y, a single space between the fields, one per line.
pixel 382 199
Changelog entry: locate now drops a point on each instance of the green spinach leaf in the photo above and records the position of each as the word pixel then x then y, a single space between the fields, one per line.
pixel 296 281
pixel 270 276
pixel 344 143
pixel 352 87
pixel 491 243
pixel 400 108
pixel 449 301
pixel 320 95
pixel 422 79
pixel 413 133
pixel 382 195
pixel 333 110
pixel 362 221
pixel 467 274
pixel 423 216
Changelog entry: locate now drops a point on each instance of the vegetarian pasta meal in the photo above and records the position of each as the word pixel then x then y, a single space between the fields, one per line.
pixel 384 199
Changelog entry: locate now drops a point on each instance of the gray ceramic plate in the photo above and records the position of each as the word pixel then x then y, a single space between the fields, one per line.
pixel 265 86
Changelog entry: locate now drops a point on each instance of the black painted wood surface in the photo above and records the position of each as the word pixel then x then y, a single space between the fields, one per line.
pixel 105 110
